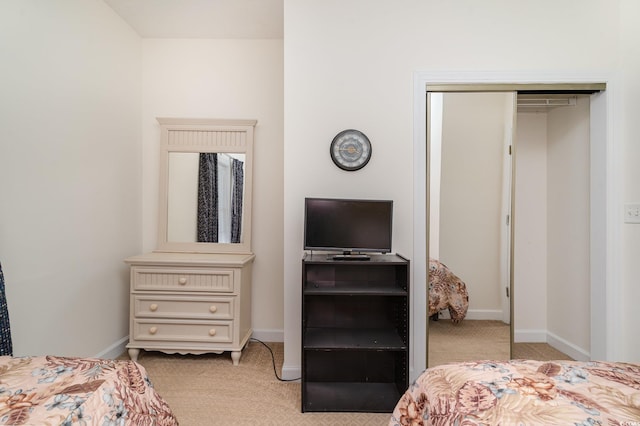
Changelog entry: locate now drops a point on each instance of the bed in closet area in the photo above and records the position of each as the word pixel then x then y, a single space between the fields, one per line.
pixel 446 291
pixel 523 392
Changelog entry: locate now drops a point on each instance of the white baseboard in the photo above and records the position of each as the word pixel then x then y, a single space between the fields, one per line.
pixel 476 314
pixel 115 350
pixel 291 372
pixel 269 335
pixel 568 348
pixel 544 336
pixel 530 336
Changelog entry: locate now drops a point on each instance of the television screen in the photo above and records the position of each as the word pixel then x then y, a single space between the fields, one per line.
pixel 348 225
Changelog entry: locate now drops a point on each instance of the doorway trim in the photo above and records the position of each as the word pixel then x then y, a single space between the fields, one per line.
pixel 605 201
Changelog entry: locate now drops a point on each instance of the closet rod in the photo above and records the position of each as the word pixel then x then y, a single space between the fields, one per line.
pixel 546 102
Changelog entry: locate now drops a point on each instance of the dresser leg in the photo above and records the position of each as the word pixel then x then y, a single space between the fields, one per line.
pixel 133 354
pixel 235 357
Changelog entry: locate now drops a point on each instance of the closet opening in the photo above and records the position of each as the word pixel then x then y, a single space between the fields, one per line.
pixel 536 103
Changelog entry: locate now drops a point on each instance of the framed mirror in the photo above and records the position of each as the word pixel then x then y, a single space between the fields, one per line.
pixel 205 185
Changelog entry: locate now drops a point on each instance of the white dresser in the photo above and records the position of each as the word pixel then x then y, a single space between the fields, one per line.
pixel 190 303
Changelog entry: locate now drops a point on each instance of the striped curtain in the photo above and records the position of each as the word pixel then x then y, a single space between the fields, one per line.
pixel 6 346
pixel 208 198
pixel 237 182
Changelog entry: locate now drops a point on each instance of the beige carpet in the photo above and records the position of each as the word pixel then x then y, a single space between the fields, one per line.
pixel 480 339
pixel 207 390
pixel 467 341
pixel 539 351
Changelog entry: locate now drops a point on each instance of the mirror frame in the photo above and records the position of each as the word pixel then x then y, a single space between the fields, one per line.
pixel 474 88
pixel 212 135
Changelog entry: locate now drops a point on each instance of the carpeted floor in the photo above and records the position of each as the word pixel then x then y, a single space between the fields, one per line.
pixel 480 339
pixel 207 390
pixel 539 351
pixel 467 341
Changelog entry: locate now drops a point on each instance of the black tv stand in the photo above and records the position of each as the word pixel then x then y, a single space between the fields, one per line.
pixel 355 333
pixel 349 256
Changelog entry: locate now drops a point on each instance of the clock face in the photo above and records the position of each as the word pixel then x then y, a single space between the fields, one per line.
pixel 350 150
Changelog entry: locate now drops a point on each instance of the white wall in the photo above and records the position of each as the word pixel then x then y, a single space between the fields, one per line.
pixel 471 196
pixel 629 111
pixel 182 197
pixel 552 265
pixel 568 219
pixel 530 255
pixel 346 68
pixel 200 78
pixel 69 173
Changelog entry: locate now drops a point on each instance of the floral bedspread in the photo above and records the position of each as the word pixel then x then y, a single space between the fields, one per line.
pixel 446 291
pixel 51 390
pixel 523 392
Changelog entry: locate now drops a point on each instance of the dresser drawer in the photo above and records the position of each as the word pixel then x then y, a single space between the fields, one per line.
pixel 187 307
pixel 176 279
pixel 182 331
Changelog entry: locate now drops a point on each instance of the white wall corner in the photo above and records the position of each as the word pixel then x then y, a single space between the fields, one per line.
pixel 530 336
pixel 568 348
pixel 291 372
pixel 476 314
pixel 268 335
pixel 115 350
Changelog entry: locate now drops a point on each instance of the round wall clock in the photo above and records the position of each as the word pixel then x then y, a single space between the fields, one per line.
pixel 350 150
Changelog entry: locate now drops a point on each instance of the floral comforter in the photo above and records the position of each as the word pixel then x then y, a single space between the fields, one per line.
pixel 446 291
pixel 523 392
pixel 51 390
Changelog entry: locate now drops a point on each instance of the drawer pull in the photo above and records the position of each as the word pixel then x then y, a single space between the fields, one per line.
pixel 153 330
pixel 182 281
pixel 153 307
pixel 212 332
pixel 213 309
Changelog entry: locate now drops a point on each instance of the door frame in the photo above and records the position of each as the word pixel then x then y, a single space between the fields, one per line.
pixel 605 199
pixel 508 206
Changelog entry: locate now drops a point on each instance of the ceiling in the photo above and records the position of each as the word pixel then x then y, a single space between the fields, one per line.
pixel 242 19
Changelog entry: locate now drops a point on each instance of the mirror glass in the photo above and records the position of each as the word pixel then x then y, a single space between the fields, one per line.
pixel 469 178
pixel 205 197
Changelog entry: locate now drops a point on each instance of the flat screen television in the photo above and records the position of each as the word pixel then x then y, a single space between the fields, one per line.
pixel 348 226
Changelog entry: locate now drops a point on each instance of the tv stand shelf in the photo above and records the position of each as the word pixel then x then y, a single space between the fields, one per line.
pixel 346 338
pixel 355 333
pixel 343 396
pixel 349 287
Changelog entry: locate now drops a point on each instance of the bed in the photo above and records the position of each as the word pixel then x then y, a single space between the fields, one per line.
pixel 446 291
pixel 523 392
pixel 50 390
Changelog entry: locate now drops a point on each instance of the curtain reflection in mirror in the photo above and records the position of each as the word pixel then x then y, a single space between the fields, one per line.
pixel 237 180
pixel 220 192
pixel 6 345
pixel 208 198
